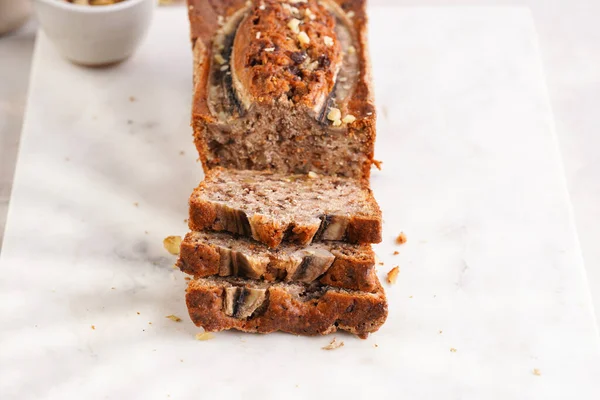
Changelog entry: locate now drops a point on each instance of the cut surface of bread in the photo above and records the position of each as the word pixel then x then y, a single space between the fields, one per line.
pixel 271 207
pixel 283 85
pixel 218 304
pixel 330 263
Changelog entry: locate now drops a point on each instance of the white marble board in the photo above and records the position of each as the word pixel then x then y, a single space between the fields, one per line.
pixel 471 173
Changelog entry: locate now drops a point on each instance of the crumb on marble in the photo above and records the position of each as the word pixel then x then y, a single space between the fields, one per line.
pixel 410 297
pixel 138 313
pixel 129 122
pixel 396 253
pixel 93 327
pixel 132 99
pixel 113 288
pixel 401 239
pixel 172 244
pixel 181 153
pixel 440 332
pixel 452 350
pixel 375 345
pixel 136 204
pixel 380 263
pixel 392 276
pixel 537 372
pixel 146 232
pixel 377 164
pixel 334 344
pixel 204 336
pixel 173 318
pixel 187 278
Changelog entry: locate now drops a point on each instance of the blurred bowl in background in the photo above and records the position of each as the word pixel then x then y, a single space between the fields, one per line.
pixel 95 35
pixel 13 14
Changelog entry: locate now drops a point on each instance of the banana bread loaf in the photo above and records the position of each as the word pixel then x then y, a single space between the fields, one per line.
pixel 282 85
pixel 272 207
pixel 218 304
pixel 330 263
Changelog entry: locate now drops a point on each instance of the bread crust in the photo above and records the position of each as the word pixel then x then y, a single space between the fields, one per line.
pixel 200 257
pixel 204 18
pixel 359 313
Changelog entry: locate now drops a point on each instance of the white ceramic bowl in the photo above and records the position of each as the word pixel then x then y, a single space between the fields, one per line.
pixel 95 35
pixel 13 14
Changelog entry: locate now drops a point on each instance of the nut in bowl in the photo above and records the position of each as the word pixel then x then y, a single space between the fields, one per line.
pixel 95 33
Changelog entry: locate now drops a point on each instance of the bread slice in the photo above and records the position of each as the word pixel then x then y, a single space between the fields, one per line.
pixel 218 304
pixel 329 263
pixel 283 85
pixel 271 207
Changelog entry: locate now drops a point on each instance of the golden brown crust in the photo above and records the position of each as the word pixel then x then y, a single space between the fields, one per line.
pixel 356 312
pixel 274 65
pixel 201 259
pixel 204 19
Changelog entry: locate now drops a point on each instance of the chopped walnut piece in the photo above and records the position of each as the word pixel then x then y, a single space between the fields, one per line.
pixel 392 276
pixel 333 345
pixel 348 119
pixel 313 175
pixel 334 114
pixel 172 244
pixel 350 14
pixel 258 35
pixel 401 239
pixel 309 14
pixel 303 38
pixel 328 41
pixel 219 58
pixel 269 49
pixel 174 318
pixel 294 25
pixel 204 336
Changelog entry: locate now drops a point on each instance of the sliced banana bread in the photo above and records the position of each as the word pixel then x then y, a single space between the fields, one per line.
pixel 218 304
pixel 271 207
pixel 283 85
pixel 330 263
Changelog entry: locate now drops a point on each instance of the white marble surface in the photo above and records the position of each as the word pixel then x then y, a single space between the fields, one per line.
pixel 471 172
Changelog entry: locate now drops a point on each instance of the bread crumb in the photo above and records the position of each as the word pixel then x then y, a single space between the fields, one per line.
pixel 93 327
pixel 132 99
pixel 440 332
pixel 401 239
pixel 392 276
pixel 174 318
pixel 149 323
pixel 410 297
pixel 303 38
pixel 396 253
pixel 136 204
pixel 112 288
pixel 537 372
pixel 377 164
pixel 204 336
pixel 138 313
pixel 380 263
pixel 187 278
pixel 181 152
pixel 172 244
pixel 375 345
pixel 294 25
pixel 328 41
pixel 452 350
pixel 333 345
